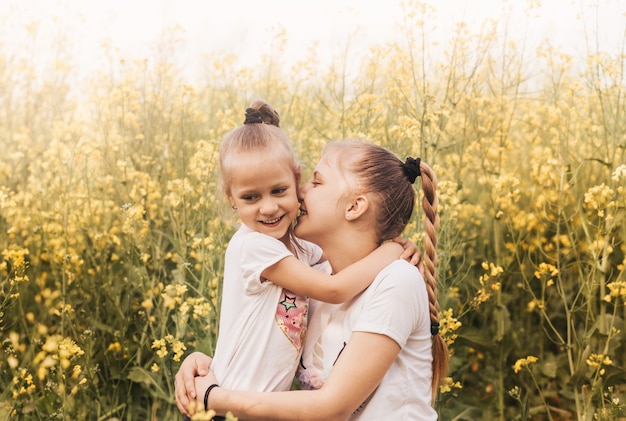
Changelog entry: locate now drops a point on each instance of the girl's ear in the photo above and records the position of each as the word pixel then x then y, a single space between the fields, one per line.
pixel 230 198
pixel 357 207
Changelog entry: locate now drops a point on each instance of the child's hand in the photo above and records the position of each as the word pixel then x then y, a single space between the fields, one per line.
pixel 411 253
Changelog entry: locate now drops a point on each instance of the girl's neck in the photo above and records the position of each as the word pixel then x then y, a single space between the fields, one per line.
pixel 344 253
pixel 286 240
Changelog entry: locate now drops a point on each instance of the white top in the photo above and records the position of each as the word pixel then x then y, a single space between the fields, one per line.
pixel 262 326
pixel 395 305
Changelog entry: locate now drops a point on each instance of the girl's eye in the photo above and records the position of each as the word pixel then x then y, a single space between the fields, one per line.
pixel 249 198
pixel 279 190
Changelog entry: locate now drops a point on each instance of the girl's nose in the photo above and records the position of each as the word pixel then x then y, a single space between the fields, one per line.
pixel 268 206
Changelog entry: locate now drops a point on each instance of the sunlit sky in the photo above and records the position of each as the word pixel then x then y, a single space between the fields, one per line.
pixel 246 27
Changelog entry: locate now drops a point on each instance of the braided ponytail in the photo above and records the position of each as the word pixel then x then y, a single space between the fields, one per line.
pixel 430 202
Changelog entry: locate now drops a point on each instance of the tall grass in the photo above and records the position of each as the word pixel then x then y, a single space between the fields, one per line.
pixel 114 228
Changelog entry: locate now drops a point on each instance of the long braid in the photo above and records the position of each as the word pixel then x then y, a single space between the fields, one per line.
pixel 430 203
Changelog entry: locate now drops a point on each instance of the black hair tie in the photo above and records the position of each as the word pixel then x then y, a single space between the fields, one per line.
pixel 411 168
pixel 253 116
pixel 434 328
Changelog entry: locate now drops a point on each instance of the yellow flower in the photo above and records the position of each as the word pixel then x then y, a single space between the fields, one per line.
pixel 179 349
pixel 596 360
pixel 616 289
pixel 147 304
pixel 158 343
pixel 448 384
pixel 524 362
pixel 13 362
pixel 114 347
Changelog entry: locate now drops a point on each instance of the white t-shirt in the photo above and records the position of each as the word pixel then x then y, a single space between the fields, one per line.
pixel 262 326
pixel 395 305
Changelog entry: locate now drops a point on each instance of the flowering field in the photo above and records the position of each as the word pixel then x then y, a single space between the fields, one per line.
pixel 113 227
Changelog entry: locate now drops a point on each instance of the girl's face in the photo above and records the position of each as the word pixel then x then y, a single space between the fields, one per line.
pixel 265 194
pixel 323 202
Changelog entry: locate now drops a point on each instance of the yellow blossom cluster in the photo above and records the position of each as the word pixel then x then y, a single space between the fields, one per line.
pixel 546 269
pixel 601 198
pixel 23 383
pixel 177 347
pixel 524 363
pixel 617 289
pixel 597 361
pixel 14 264
pixel 507 194
pixel 489 283
pixel 57 351
pixel 448 384
pixel 134 215
pixel 535 303
pixel 448 324
pixel 173 295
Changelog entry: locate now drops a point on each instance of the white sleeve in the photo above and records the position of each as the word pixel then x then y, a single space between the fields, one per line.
pixel 259 252
pixel 394 302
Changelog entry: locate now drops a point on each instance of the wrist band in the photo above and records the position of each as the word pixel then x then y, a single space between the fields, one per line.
pixel 206 396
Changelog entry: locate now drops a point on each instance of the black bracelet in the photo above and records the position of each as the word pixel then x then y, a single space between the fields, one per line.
pixel 206 396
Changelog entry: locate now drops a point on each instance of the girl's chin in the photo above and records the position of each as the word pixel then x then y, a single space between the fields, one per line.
pixel 300 229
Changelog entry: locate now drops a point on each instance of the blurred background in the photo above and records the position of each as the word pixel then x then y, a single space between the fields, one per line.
pixel 113 226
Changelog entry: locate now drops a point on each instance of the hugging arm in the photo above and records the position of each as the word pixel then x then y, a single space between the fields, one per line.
pixel 302 279
pixel 298 277
pixel 356 374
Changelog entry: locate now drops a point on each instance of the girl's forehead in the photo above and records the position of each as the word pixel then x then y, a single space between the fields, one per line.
pixel 261 156
pixel 260 169
pixel 334 161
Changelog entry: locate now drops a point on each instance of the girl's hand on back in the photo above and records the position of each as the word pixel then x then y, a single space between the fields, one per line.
pixel 411 253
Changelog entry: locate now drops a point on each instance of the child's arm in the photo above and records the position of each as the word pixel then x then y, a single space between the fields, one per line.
pixel 296 276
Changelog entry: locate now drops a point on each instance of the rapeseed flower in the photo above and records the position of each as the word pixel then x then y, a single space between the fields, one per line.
pixel 524 363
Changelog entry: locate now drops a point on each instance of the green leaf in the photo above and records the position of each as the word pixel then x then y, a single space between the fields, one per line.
pixel 141 375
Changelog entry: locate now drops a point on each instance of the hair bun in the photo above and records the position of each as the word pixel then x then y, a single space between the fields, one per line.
pixel 260 112
pixel 253 116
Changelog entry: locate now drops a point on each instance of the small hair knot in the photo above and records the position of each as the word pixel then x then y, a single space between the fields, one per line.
pixel 253 116
pixel 411 168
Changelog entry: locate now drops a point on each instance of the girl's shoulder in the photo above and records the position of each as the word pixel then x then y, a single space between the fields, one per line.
pixel 400 276
pixel 400 268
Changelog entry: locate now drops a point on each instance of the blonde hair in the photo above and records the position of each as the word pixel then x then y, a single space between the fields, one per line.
pixel 260 132
pixel 381 173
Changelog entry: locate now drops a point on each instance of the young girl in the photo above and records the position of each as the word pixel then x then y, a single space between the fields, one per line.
pixel 379 355
pixel 264 309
